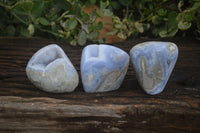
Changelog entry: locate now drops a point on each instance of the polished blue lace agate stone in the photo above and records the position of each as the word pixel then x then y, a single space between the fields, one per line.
pixel 103 68
pixel 153 63
pixel 51 70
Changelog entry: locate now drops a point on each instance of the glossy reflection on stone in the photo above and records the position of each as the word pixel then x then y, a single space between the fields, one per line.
pixel 50 70
pixel 153 63
pixel 103 67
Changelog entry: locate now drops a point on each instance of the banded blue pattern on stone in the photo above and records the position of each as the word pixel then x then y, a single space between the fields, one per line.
pixel 103 68
pixel 153 63
pixel 50 70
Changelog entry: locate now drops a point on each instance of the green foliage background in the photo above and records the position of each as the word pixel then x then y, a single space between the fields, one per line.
pixel 158 18
pixel 65 19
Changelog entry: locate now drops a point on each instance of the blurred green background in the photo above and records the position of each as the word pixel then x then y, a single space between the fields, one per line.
pixel 65 20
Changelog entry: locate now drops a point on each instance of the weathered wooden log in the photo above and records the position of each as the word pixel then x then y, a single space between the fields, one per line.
pixel 24 108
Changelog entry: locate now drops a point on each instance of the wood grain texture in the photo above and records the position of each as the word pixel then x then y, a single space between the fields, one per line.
pixel 24 108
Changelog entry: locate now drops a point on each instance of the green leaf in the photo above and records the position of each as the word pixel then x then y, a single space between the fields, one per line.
pixel 184 25
pixel 186 17
pixel 180 4
pixel 73 42
pixel 99 26
pixel 156 20
pixel 72 23
pixel 82 38
pixel 139 27
pixel 93 35
pixel 172 32
pixel 130 32
pixel 85 16
pixel 124 27
pixel 118 25
pixel 172 22
pixel 37 7
pixel 104 5
pixel 21 9
pixel 25 32
pixel 92 1
pixel 113 32
pixel 146 26
pixel 85 27
pixel 122 35
pixel 163 33
pixel 44 21
pixel 161 12
pixel 53 27
pixel 31 29
pixel 116 19
pixel 91 28
pixel 63 4
pixel 107 12
pixel 23 6
pixel 115 4
pixel 196 4
pixel 53 17
pixel 189 16
pixel 102 40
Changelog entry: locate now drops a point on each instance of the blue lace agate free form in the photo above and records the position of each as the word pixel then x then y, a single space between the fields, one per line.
pixel 51 70
pixel 103 68
pixel 153 63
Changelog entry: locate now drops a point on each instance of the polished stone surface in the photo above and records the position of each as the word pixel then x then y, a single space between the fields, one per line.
pixel 50 70
pixel 153 63
pixel 103 67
